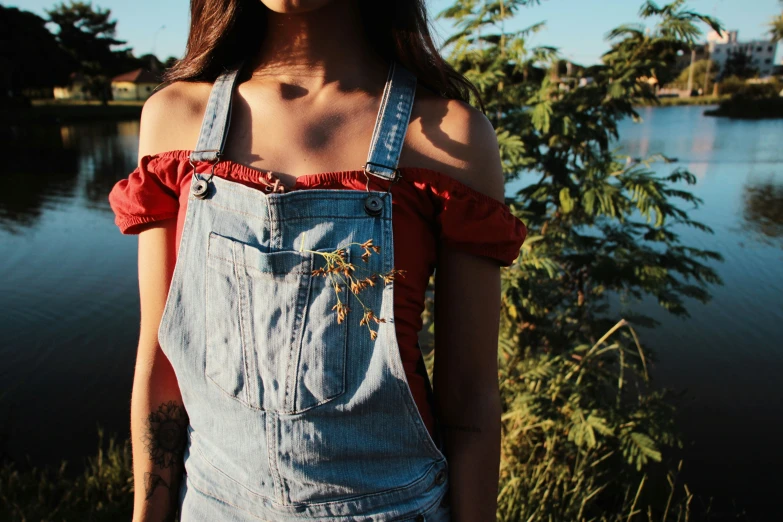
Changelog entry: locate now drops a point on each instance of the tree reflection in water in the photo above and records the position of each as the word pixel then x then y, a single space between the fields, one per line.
pixel 37 169
pixel 47 166
pixel 763 209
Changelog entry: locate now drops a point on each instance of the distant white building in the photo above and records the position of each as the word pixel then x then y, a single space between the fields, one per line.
pixel 760 53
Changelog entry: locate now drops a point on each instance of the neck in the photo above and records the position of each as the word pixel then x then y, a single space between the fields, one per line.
pixel 316 47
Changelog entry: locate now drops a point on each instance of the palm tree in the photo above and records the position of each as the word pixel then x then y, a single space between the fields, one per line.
pixel 776 27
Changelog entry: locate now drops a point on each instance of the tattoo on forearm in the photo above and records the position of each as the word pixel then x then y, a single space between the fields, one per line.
pixel 461 427
pixel 165 441
pixel 166 435
pixel 151 483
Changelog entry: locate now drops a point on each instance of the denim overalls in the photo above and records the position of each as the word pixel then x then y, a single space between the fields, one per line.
pixel 294 415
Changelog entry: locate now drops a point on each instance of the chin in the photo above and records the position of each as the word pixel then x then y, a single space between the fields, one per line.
pixel 294 6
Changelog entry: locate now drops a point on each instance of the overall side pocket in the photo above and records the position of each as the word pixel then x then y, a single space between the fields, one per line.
pixel 271 344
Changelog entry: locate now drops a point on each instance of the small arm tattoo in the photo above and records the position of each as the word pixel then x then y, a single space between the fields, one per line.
pixel 151 483
pixel 165 441
pixel 166 435
pixel 461 427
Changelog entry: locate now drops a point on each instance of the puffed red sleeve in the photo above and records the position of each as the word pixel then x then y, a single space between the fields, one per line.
pixel 149 193
pixel 475 223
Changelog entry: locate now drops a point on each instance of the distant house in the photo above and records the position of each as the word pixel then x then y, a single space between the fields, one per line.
pixel 75 90
pixel 134 85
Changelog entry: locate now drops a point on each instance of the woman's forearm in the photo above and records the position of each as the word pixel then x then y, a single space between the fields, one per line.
pixel 158 435
pixel 471 429
pixel 158 419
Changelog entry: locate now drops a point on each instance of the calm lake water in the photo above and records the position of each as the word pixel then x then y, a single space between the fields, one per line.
pixel 69 305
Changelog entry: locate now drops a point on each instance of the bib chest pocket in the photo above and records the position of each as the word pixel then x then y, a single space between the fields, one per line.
pixel 273 341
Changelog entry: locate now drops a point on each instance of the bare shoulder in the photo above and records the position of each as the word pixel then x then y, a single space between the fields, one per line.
pixel 171 117
pixel 456 139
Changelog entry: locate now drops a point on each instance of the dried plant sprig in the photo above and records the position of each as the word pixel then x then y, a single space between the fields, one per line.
pixel 342 274
pixel 342 311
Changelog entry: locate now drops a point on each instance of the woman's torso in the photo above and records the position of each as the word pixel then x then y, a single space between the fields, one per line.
pixel 415 243
pixel 431 210
pixel 320 141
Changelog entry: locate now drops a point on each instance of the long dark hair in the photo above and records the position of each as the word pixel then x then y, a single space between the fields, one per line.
pixel 224 33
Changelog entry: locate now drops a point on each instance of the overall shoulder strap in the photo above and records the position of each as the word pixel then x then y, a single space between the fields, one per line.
pixel 217 117
pixel 391 123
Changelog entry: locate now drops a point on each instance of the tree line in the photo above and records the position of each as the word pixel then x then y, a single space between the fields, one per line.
pixel 84 41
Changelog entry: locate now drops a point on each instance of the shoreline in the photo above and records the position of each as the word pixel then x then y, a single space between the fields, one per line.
pixel 680 102
pixel 749 109
pixel 72 111
pixel 78 111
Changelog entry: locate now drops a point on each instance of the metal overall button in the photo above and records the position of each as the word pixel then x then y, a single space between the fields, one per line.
pixel 200 188
pixel 373 205
pixel 440 477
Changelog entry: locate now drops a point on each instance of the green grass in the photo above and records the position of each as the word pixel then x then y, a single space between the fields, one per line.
pixel 85 103
pixel 102 492
pixel 744 108
pixel 72 111
pixel 694 100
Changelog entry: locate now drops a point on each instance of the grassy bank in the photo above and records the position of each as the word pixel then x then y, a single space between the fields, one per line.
pixel 102 492
pixel 75 111
pixel 749 109
pixel 694 100
pixel 61 111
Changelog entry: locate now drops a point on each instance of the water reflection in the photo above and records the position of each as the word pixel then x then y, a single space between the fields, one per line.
pixel 48 166
pixel 106 161
pixel 69 302
pixel 38 170
pixel 763 209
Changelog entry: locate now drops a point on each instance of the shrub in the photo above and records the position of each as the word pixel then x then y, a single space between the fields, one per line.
pixel 103 492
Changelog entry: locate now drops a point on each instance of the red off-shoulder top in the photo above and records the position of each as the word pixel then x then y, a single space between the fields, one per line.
pixel 428 207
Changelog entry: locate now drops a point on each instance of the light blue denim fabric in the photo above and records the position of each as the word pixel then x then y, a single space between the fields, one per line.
pixel 392 123
pixel 292 415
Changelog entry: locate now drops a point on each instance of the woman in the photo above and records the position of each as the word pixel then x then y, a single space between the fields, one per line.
pixel 278 374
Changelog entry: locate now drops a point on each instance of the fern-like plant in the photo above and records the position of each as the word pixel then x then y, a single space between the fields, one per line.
pixel 582 425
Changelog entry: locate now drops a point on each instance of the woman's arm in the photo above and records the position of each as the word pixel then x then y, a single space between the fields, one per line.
pixel 158 418
pixel 467 313
pixel 467 316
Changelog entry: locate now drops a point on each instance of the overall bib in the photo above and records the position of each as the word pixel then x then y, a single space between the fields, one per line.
pixel 294 415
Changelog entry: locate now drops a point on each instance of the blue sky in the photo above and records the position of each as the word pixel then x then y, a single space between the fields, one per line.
pixel 577 27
